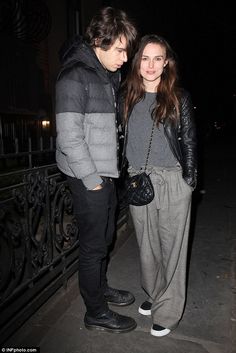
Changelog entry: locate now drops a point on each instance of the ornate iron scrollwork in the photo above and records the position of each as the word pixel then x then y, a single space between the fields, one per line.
pixel 12 252
pixel 36 227
pixel 64 225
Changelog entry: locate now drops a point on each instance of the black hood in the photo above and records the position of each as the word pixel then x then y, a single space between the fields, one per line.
pixel 68 47
pixel 77 50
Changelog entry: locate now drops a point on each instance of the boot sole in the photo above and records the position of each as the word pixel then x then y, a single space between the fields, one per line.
pixel 107 329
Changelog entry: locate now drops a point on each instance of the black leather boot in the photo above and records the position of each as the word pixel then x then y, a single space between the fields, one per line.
pixel 110 321
pixel 118 297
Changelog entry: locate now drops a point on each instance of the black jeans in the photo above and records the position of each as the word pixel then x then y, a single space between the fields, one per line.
pixel 95 211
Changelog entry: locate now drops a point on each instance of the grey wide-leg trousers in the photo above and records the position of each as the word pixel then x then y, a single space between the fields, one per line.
pixel 162 230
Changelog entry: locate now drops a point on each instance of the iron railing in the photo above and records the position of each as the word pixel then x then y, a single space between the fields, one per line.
pixel 18 154
pixel 39 241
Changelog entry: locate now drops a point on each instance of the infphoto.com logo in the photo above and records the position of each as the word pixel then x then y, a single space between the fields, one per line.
pixel 20 350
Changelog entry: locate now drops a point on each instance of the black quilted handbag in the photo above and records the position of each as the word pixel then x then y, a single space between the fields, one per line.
pixel 139 188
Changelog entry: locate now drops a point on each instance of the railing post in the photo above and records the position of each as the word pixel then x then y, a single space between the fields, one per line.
pixel 1 146
pixel 51 142
pixel 30 152
pixel 16 145
pixel 41 143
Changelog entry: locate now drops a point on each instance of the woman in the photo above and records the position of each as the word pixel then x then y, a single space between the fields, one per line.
pixel 151 94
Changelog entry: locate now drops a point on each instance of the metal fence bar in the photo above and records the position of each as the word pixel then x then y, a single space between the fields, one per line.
pixel 16 145
pixel 30 152
pixel 28 158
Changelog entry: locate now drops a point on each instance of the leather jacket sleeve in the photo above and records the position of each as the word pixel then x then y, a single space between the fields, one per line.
pixel 188 142
pixel 183 141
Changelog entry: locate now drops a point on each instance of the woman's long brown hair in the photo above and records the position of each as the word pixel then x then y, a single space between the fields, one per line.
pixel 168 93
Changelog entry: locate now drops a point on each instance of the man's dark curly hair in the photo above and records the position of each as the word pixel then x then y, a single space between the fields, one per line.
pixel 108 25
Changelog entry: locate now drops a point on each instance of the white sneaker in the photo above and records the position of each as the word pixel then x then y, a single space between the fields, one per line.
pixel 159 331
pixel 145 308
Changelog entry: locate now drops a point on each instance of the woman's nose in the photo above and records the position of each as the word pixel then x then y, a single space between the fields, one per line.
pixel 151 63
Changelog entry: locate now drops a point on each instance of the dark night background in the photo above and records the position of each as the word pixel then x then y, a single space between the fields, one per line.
pixel 38 238
pixel 204 37
pixel 202 34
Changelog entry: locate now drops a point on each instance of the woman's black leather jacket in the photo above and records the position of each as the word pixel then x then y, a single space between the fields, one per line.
pixel 182 140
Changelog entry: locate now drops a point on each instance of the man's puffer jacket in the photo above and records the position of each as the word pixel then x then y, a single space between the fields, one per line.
pixel 86 117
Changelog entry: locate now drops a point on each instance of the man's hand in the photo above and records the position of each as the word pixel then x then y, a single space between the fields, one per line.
pixel 98 187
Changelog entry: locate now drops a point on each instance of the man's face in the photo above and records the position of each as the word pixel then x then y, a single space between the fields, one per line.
pixel 113 58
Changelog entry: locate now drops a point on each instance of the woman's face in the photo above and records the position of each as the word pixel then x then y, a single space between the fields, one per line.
pixel 152 64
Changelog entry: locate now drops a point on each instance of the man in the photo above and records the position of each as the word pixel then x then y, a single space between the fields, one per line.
pixel 87 153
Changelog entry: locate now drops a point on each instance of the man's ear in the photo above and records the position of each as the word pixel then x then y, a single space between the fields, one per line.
pixel 97 42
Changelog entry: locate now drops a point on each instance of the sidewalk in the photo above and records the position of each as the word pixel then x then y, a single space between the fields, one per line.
pixel 209 321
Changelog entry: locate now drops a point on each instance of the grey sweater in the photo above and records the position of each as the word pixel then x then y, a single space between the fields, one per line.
pixel 139 132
